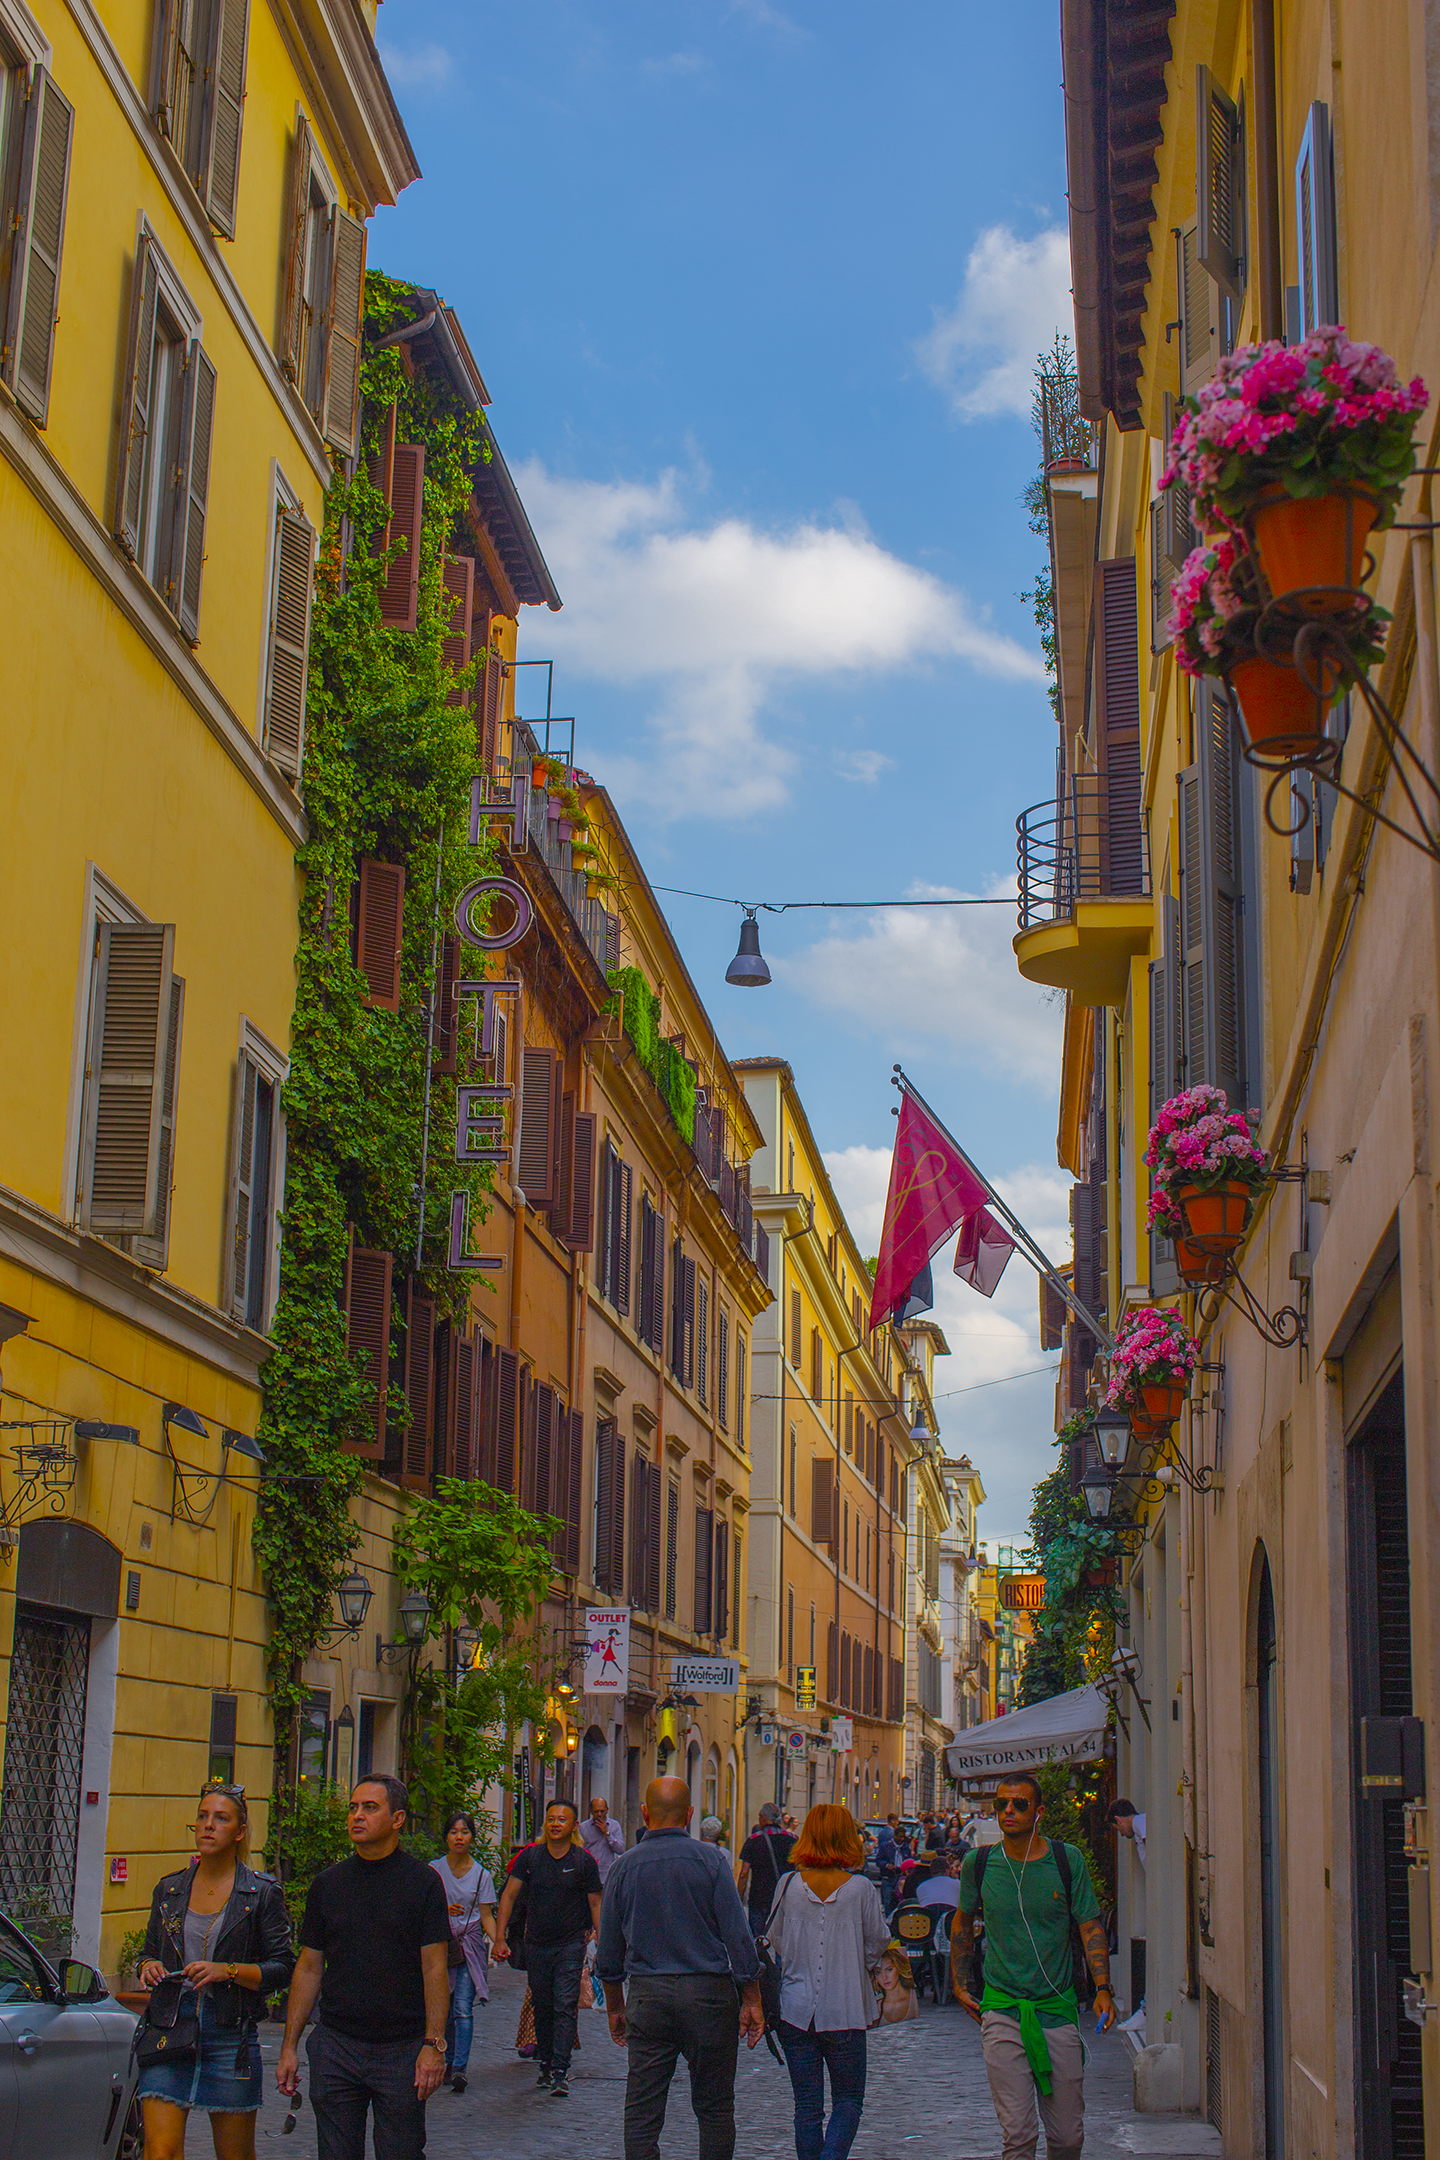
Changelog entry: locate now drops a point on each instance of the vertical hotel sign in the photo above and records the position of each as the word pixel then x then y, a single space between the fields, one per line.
pixel 480 1109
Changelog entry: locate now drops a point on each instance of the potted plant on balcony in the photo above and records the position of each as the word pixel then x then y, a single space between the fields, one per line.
pixel 1206 1170
pixel 1150 1368
pixel 1308 447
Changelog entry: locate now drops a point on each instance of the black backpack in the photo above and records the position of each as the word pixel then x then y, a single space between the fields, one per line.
pixel 1079 1969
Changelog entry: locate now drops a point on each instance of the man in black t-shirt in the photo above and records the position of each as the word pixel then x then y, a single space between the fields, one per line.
pixel 562 1904
pixel 764 1858
pixel 372 1948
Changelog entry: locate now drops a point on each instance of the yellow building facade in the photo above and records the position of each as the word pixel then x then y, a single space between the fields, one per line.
pixel 1241 174
pixel 180 381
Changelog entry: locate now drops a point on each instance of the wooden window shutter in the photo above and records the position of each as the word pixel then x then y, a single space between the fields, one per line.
pixel 1199 315
pixel 1117 676
pixel 816 1361
pixel 722 1366
pixel 125 1078
pixel 657 1293
pixel 1177 529
pixel 455 647
pixel 381 919
pixel 367 1335
pixel 419 1390
pixel 627 1217
pixel 1052 1316
pixel 381 472
pixel 289 657
pixel 447 1030
pixel 1192 928
pixel 581 1234
pixel 539 1074
pixel 646 1287
pixel 722 1579
pixel 242 1185
pixel 154 1250
pixel 345 323
pixel 542 1469
pixel 1219 185
pixel 605 1503
pixel 486 1371
pixel 563 1205
pixel 400 592
pixel 224 113
pixel 832 1663
pixel 197 429
pixel 654 1478
pixel 822 1500
pixel 1164 1064
pixel 609 1209
pixel 292 311
pixel 639 1529
pixel 574 1486
pixel 702 1335
pixel 687 1312
pixel 704 1565
pixel 507 1418
pixel 1315 222
pixel 465 1400
pixel 36 238
pixel 135 405
pixel 795 1329
pixel 560 1485
pixel 1222 898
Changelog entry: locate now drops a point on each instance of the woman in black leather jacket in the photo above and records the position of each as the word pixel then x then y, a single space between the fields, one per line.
pixel 225 1929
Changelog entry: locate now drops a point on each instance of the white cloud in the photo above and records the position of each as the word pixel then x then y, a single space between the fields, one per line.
pixel 768 17
pixel 712 621
pixel 422 67
pixel 991 1402
pixel 936 976
pixel 1016 294
pixel 865 766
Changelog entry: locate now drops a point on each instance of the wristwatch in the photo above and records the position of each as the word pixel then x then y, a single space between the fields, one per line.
pixel 231 1970
pixel 438 2045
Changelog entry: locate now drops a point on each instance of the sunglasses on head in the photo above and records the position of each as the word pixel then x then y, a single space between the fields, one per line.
pixel 216 1791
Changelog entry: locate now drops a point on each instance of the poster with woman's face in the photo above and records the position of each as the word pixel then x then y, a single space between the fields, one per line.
pixel 894 1986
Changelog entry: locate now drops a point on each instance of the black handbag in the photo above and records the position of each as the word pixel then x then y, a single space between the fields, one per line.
pixel 769 1977
pixel 170 2029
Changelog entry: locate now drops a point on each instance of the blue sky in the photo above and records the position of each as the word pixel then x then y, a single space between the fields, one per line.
pixel 756 292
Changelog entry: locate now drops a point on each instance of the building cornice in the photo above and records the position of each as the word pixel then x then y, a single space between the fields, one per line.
pixel 351 96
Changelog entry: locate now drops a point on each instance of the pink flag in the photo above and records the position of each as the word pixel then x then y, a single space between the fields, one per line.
pixel 981 1251
pixel 931 1192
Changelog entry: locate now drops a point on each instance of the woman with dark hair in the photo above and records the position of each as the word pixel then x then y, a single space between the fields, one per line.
pixel 470 1901
pixel 222 1931
pixel 828 1933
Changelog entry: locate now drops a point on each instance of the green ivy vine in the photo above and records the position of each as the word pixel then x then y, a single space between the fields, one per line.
pixel 387 773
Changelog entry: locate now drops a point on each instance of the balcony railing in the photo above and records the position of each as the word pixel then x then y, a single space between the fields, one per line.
pixel 1087 844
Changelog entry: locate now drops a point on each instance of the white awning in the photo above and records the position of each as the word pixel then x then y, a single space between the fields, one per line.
pixel 1067 1728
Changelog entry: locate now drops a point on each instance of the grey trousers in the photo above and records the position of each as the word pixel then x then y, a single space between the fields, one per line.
pixel 1015 2093
pixel 696 2015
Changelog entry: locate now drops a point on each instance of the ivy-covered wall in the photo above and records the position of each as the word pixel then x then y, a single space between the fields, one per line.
pixel 640 1018
pixel 387 773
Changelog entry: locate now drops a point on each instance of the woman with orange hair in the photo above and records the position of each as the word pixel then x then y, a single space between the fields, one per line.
pixel 828 1934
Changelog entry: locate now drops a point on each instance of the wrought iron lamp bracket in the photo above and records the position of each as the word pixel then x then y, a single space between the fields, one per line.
pixel 46 1469
pixel 1202 1480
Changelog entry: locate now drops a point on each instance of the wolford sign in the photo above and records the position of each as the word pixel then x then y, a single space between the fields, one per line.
pixel 480 1109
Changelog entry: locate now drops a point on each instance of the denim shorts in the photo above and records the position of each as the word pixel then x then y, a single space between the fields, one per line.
pixel 208 2079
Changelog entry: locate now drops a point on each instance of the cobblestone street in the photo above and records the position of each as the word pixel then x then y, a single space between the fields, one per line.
pixel 926 2094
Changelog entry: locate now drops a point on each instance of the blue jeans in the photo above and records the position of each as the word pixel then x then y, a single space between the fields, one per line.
pixel 809 2055
pixel 460 2024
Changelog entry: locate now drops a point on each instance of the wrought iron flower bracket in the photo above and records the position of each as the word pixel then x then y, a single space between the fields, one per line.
pixel 46 1468
pixel 1282 1330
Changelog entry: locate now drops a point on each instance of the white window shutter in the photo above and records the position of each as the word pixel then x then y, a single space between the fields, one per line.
pixel 1315 222
pixel 289 643
pixel 38 233
pixel 155 1250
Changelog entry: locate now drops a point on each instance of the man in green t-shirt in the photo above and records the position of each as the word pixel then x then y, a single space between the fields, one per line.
pixel 1029 2017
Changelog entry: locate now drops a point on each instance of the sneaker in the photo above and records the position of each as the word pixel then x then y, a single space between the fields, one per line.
pixel 560 2088
pixel 544 2077
pixel 457 2082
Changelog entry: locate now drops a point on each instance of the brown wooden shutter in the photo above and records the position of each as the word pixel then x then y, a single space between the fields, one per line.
pixel 367 1333
pixel 832 1663
pixel 541 1468
pixel 486 1374
pixel 419 1390
pixel 507 1418
pixel 574 1488
pixel 242 1171
pixel 1117 675
pixel 704 1568
pixel 1199 315
pixel 652 1546
pixel 165 64
pixel 563 1205
pixel 447 1031
pixel 36 238
pixel 795 1329
pixel 639 1528
pixel 225 109
pixel 605 1504
pixel 466 1403
pixel 197 428
pixel 400 592
pixel 1052 1316
pixel 822 1500
pixel 346 321
pixel 380 927
pixel 289 643
pixel 539 1073
pixel 135 405
pixel 1219 198
pixel 381 470
pixel 581 1234
pixel 154 1250
pixel 722 1579
pixel 125 1078
pixel 455 647
pixel 627 1209
pixel 292 311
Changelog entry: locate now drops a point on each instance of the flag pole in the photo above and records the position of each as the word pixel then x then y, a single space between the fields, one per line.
pixel 1024 1242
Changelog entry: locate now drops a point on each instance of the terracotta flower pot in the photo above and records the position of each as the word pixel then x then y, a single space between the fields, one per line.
pixel 1163 1400
pixel 1313 540
pixel 1145 1427
pixel 1195 1265
pixel 1099 1578
pixel 1215 1216
pixel 1282 715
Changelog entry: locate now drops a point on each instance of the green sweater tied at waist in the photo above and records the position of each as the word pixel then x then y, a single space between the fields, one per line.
pixel 1032 2033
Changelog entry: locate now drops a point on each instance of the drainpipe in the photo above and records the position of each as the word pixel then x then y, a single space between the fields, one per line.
pixel 1269 275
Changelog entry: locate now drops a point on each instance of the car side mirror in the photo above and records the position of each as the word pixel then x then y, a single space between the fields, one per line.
pixel 80 1983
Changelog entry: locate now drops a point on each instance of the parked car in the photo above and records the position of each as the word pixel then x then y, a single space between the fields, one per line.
pixel 67 2080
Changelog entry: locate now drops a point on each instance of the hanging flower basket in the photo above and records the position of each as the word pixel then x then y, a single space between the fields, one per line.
pixel 1145 1427
pixel 1101 1577
pixel 1163 1401
pixel 1196 1267
pixel 1201 1150
pixel 1151 1364
pixel 1314 544
pixel 1282 715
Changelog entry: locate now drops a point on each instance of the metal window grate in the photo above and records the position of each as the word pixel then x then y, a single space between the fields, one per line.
pixel 44 1749
pixel 1212 2060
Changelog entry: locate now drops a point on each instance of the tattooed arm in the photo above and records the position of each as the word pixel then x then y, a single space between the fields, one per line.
pixel 1097 1957
pixel 962 1950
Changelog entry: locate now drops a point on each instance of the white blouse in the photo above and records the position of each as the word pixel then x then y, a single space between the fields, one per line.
pixel 825 1948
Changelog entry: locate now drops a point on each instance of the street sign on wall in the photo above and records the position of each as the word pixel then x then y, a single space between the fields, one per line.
pixel 607 1651
pixel 1022 1593
pixel 704 1675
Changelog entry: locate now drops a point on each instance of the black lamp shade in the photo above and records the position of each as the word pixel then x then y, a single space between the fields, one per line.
pixel 353 1597
pixel 1112 1436
pixel 748 970
pixel 414 1614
